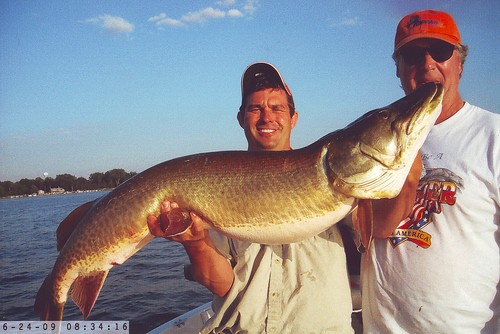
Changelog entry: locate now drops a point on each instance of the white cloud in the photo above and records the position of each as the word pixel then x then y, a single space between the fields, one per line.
pixel 225 2
pixel 112 24
pixel 250 6
pixel 350 21
pixel 171 22
pixel 234 13
pixel 163 20
pixel 203 15
pixel 208 14
pixel 157 18
pixel 65 131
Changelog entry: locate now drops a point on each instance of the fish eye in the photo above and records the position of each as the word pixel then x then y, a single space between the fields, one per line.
pixel 384 113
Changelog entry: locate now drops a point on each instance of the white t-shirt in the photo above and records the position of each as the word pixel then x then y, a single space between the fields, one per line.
pixel 296 288
pixel 439 272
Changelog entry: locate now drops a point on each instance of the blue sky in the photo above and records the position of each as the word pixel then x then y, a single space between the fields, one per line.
pixel 88 86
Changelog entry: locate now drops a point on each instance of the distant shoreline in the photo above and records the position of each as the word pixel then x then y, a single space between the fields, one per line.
pixel 56 193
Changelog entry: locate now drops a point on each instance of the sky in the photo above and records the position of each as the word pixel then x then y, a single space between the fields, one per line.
pixel 89 86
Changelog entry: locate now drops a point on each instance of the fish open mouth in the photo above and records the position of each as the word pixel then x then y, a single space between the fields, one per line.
pixel 427 96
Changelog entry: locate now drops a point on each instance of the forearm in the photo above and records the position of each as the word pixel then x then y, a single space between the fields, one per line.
pixel 209 267
pixel 388 213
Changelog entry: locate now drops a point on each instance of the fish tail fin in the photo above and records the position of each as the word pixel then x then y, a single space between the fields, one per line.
pixel 45 305
pixel 86 290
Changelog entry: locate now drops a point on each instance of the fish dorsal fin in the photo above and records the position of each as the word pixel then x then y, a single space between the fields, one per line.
pixel 68 225
pixel 86 290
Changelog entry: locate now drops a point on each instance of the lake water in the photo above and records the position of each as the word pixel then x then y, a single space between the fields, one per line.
pixel 146 290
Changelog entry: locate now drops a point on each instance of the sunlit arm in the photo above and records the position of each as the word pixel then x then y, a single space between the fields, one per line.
pixel 388 213
pixel 208 267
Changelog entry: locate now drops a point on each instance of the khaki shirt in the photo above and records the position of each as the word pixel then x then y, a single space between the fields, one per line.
pixel 295 288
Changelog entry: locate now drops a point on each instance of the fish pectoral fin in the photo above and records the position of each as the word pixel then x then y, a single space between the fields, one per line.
pixel 68 225
pixel 86 290
pixel 362 220
pixel 178 222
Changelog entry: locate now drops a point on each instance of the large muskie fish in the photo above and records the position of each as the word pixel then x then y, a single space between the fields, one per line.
pixel 263 197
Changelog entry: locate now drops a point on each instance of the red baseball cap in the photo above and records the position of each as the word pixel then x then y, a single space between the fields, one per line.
pixel 427 24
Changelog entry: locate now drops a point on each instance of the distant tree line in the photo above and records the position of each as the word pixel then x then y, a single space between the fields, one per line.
pixel 110 179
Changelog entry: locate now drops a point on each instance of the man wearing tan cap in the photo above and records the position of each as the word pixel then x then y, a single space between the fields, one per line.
pixel 438 272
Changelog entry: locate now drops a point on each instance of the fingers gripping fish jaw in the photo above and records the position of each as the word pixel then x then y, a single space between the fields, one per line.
pixel 172 222
pixel 176 222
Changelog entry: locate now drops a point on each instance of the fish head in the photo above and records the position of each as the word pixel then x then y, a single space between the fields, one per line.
pixel 374 154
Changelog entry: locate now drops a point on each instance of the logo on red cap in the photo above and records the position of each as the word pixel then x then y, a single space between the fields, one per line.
pixel 415 21
pixel 427 24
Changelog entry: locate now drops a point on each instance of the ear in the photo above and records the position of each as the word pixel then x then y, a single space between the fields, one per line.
pixel 294 119
pixel 397 70
pixel 241 118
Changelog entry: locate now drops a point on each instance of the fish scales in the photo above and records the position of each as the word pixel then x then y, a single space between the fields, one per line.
pixel 238 189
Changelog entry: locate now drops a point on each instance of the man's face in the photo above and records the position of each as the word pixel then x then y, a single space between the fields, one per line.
pixel 446 72
pixel 267 121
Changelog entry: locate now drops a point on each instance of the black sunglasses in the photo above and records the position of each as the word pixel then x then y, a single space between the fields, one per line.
pixel 439 51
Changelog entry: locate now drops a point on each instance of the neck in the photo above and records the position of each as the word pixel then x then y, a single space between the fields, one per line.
pixel 450 108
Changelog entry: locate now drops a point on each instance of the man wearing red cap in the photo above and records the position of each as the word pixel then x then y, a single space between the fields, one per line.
pixel 438 272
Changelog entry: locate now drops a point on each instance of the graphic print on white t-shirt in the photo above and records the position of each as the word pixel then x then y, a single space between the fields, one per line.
pixel 437 187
